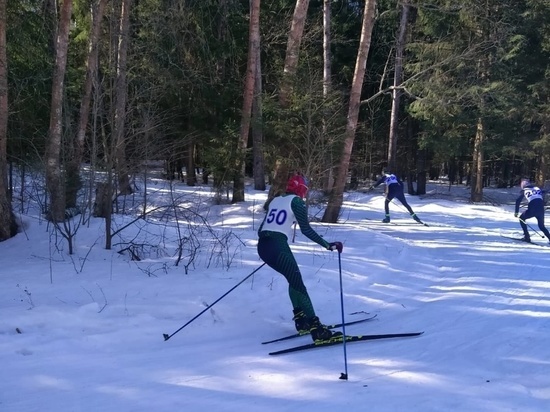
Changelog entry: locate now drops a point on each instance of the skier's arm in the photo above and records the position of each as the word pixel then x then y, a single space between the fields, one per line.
pixel 379 181
pixel 518 202
pixel 300 211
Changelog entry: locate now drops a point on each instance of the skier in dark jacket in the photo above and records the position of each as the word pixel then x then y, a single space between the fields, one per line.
pixel 394 187
pixel 273 249
pixel 535 208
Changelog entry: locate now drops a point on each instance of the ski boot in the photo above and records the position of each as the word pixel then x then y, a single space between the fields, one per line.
pixel 386 219
pixel 526 239
pixel 320 332
pixel 301 322
pixel 416 218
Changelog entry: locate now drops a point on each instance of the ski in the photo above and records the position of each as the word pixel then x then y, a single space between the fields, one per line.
pixel 379 222
pixel 517 239
pixel 399 223
pixel 339 340
pixel 333 326
pixel 422 223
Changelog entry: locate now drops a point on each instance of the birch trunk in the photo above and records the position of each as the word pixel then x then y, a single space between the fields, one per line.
pixel 337 194
pixel 253 47
pixel 396 92
pixel 282 168
pixel 327 177
pixel 293 50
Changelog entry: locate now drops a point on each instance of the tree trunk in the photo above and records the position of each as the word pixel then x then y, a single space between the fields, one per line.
pixel 102 202
pixel 190 175
pixel 73 164
pixel 253 47
pixel 7 223
pixel 54 178
pixel 326 49
pixel 543 171
pixel 418 164
pixel 396 92
pixel 282 168
pixel 121 95
pixel 293 51
pixel 476 194
pixel 337 195
pixel 327 87
pixel 477 164
pixel 257 129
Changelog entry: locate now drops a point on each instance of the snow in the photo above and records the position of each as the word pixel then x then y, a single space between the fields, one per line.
pixel 84 332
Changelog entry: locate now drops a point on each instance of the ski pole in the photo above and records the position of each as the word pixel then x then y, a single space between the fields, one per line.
pixel 166 336
pixel 531 227
pixel 399 206
pixel 343 376
pixel 405 210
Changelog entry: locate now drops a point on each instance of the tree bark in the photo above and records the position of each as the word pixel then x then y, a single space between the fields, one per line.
pixel 190 175
pixel 6 214
pixel 253 47
pixel 477 164
pixel 327 87
pixel 293 51
pixel 337 194
pixel 396 92
pixel 282 168
pixel 73 164
pixel 54 178
pixel 257 129
pixel 327 73
pixel 121 95
pixel 543 169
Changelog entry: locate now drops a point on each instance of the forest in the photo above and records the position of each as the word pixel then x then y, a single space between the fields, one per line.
pixel 92 91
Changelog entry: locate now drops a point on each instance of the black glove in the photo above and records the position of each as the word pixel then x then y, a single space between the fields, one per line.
pixel 336 246
pixel 516 214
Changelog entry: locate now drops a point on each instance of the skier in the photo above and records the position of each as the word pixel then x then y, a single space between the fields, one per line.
pixel 535 208
pixel 394 187
pixel 274 232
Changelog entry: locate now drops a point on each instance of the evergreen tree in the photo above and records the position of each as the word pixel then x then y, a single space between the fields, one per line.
pixel 465 80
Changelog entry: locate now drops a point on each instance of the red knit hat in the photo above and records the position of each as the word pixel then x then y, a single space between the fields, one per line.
pixel 297 185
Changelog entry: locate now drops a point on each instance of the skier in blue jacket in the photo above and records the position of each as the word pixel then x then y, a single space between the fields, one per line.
pixel 394 187
pixel 535 208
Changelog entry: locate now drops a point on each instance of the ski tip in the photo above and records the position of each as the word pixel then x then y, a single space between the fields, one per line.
pixel 343 376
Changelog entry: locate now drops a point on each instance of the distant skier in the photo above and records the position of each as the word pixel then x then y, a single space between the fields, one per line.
pixel 394 187
pixel 535 208
pixel 274 232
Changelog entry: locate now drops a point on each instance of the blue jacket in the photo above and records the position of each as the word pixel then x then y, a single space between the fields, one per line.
pixel 529 192
pixel 389 179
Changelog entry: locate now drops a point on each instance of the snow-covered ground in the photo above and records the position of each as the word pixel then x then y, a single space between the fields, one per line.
pixel 84 332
